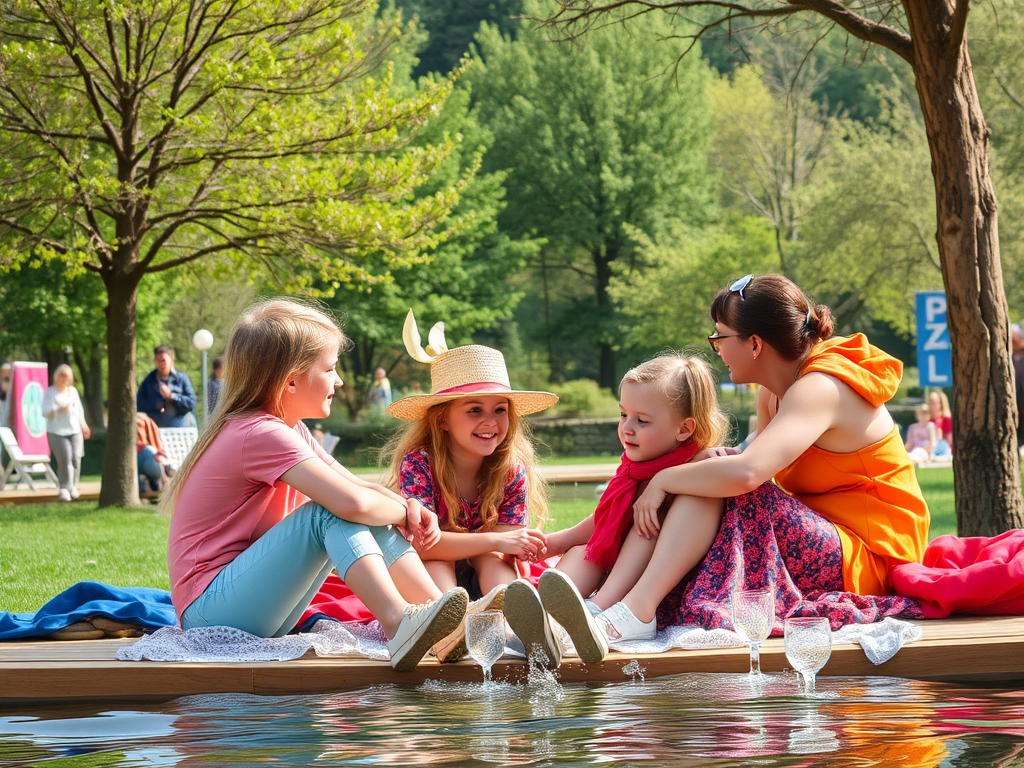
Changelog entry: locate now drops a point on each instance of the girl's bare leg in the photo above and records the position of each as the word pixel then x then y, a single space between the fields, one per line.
pixel 633 559
pixel 414 582
pixel 689 530
pixel 492 570
pixel 584 574
pixel 368 577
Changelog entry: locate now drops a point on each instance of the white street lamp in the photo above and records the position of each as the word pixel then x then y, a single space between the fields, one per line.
pixel 203 340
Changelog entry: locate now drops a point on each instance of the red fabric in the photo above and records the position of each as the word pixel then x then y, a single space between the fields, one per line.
pixel 966 575
pixel 337 601
pixel 614 514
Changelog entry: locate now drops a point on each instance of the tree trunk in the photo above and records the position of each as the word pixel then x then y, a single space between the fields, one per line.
pixel 120 485
pixel 985 461
pixel 90 367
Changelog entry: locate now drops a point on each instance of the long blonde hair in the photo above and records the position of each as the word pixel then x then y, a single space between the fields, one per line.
pixel 427 435
pixel 690 388
pixel 271 343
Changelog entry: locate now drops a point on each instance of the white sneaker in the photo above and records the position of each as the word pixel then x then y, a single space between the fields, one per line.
pixel 528 619
pixel 75 494
pixel 64 495
pixel 453 647
pixel 621 626
pixel 563 602
pixel 593 607
pixel 424 625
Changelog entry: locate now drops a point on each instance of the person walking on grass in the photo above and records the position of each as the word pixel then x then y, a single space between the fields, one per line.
pixel 66 430
pixel 243 552
pixel 466 454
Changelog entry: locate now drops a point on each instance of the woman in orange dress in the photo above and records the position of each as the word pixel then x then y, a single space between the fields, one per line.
pixel 845 504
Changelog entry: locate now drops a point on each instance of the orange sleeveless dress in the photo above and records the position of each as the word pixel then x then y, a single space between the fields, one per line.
pixel 871 495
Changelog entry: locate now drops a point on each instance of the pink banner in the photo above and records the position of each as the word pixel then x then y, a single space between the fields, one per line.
pixel 29 382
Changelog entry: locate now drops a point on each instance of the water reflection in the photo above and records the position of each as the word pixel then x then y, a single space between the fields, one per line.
pixel 722 720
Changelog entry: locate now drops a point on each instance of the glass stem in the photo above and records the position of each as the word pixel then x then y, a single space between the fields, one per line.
pixel 809 682
pixel 487 674
pixel 755 658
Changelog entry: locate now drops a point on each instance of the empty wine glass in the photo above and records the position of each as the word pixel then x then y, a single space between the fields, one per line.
pixel 753 614
pixel 485 638
pixel 808 646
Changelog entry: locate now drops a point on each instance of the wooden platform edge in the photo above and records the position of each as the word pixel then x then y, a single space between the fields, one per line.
pixel 954 659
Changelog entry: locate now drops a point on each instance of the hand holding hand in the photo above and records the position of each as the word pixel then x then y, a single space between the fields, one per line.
pixel 524 543
pixel 420 525
pixel 645 510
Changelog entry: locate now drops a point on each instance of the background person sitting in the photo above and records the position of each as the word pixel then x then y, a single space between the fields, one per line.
pixel 922 437
pixel 942 418
pixel 154 466
pixel 166 395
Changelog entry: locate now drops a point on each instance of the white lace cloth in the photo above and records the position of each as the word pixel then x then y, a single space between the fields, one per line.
pixel 880 642
pixel 225 644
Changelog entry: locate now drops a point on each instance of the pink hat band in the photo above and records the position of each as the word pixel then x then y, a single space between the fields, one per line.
pixel 476 386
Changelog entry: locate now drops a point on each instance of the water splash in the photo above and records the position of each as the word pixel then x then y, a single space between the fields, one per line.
pixel 634 670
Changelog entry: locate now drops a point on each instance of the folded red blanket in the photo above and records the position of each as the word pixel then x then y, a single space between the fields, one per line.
pixel 966 575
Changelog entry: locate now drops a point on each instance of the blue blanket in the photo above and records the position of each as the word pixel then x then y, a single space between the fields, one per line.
pixel 144 607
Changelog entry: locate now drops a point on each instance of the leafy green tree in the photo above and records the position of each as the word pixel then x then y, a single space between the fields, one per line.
pixel 139 137
pixel 770 140
pixel 451 25
pixel 866 245
pixel 930 36
pixel 664 303
pixel 596 139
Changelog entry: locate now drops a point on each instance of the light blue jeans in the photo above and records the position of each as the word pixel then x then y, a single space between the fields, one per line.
pixel 265 589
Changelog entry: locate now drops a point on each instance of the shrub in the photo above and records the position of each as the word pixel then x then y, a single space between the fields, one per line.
pixel 578 397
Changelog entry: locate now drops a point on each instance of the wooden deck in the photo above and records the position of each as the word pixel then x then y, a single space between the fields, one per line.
pixel 963 649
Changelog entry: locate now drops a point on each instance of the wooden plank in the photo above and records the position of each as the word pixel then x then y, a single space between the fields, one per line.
pixel 964 648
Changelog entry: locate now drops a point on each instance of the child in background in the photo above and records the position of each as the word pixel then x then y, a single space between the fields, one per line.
pixel 466 454
pixel 668 415
pixel 242 552
pixel 922 437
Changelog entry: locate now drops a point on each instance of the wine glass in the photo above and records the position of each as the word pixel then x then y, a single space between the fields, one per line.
pixel 753 614
pixel 485 638
pixel 808 646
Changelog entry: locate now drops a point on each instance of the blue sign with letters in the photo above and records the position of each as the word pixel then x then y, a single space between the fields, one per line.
pixel 934 350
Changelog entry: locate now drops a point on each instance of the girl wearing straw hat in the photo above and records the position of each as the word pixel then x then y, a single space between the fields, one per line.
pixel 466 454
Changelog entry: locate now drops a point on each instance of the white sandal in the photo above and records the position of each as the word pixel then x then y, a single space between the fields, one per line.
pixel 621 626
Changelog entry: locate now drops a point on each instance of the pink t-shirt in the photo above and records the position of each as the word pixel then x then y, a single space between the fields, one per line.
pixel 233 496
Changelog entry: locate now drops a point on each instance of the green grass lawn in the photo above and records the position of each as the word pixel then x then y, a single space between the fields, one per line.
pixel 45 548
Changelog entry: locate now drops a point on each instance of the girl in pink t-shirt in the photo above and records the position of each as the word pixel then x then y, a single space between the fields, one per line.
pixel 244 550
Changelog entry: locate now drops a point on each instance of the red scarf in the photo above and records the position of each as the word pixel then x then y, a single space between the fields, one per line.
pixel 614 514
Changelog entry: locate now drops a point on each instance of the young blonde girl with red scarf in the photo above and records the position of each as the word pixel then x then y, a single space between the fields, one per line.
pixel 669 415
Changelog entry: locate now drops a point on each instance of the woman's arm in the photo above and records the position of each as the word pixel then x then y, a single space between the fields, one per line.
pixel 805 414
pixel 933 438
pixel 49 406
pixel 517 540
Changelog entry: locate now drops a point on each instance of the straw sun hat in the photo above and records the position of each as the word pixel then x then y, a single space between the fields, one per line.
pixel 455 373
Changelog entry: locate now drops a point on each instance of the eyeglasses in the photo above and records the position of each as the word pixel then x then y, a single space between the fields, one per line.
pixel 715 339
pixel 739 285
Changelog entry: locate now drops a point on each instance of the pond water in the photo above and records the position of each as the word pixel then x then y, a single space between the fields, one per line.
pixel 705 720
